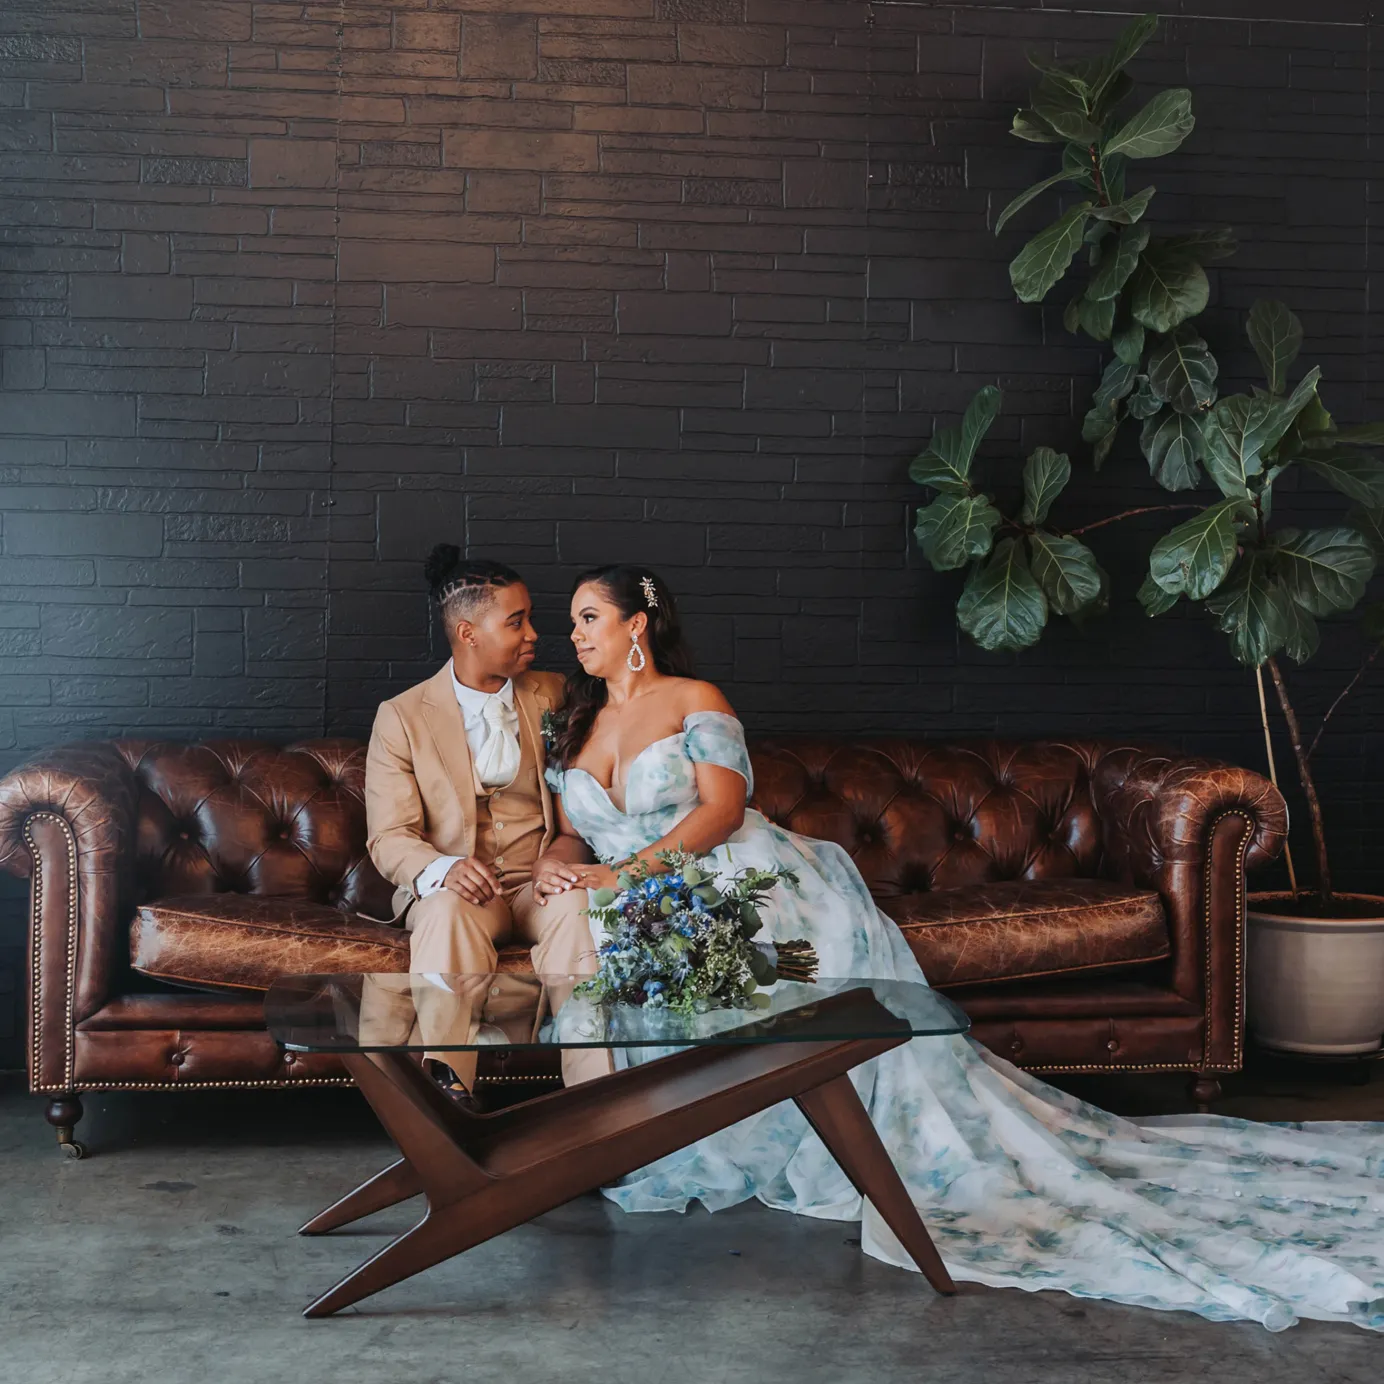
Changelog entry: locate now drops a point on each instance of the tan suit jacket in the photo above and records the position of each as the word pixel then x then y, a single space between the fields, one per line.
pixel 420 786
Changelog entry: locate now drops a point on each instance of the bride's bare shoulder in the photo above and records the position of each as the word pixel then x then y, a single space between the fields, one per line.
pixel 694 695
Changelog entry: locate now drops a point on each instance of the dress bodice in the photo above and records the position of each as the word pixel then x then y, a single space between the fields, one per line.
pixel 660 788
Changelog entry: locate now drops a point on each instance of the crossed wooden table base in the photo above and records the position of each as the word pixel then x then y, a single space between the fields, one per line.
pixel 485 1174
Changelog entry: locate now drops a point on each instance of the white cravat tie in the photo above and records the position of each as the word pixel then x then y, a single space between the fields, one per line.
pixel 497 760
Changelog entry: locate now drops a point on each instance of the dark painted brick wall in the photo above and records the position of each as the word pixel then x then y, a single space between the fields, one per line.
pixel 291 291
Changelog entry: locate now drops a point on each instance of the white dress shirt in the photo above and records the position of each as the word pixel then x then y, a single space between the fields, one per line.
pixel 492 731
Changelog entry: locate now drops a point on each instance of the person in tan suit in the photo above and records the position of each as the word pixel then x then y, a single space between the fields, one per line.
pixel 459 816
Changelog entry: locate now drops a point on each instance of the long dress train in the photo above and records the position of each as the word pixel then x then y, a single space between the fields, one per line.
pixel 1020 1184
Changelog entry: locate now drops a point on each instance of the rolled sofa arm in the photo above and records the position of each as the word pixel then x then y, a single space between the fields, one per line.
pixel 67 822
pixel 1190 828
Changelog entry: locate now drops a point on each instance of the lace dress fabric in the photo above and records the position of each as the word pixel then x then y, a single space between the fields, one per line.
pixel 1020 1184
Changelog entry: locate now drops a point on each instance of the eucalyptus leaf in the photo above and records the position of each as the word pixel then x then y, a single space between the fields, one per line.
pixel 1182 371
pixel 1027 195
pixel 1126 213
pixel 1157 129
pixel 1045 258
pixel 1128 341
pixel 1067 571
pixel 1167 288
pixel 1354 474
pixel 1253 610
pixel 1154 599
pixel 1002 606
pixel 1276 335
pixel 1195 558
pixel 1116 267
pixel 1116 381
pixel 953 529
pixel 1172 444
pixel 1326 570
pixel 1046 474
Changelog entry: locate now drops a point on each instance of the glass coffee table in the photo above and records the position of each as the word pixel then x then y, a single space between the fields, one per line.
pixel 484 1174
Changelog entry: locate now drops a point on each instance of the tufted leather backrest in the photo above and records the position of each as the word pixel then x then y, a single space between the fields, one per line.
pixel 916 816
pixel 242 816
pixel 245 817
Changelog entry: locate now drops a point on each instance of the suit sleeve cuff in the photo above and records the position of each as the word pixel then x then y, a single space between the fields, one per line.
pixel 432 878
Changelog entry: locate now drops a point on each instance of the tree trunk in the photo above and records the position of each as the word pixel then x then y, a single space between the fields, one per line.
pixel 1309 786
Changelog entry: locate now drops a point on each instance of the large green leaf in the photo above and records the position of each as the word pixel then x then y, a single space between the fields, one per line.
pixel 1027 195
pixel 1100 427
pixel 1195 557
pixel 1172 444
pixel 1360 435
pixel 1303 636
pixel 1071 123
pixel 1182 371
pixel 1027 125
pixel 1167 288
pixel 1370 524
pixel 946 464
pixel 953 529
pixel 1276 335
pixel 1153 598
pixel 1118 263
pixel 1108 66
pixel 1126 213
pixel 1355 474
pixel 1128 340
pixel 1325 570
pixel 1002 606
pixel 1096 316
pixel 1235 434
pixel 1067 571
pixel 1117 379
pixel 1212 243
pixel 1253 610
pixel 1045 258
pixel 1046 474
pixel 1143 402
pixel 1157 129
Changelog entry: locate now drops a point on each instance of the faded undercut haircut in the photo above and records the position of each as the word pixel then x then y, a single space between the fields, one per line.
pixel 462 587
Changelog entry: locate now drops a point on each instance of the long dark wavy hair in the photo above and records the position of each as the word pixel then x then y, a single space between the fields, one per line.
pixel 623 586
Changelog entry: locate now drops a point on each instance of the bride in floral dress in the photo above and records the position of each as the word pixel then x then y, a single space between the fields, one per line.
pixel 1020 1184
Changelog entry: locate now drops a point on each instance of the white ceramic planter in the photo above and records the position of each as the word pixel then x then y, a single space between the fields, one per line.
pixel 1315 985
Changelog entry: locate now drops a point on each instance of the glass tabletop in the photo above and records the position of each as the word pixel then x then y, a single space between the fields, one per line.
pixel 395 1012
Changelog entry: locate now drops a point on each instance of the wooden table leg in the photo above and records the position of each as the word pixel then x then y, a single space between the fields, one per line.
pixel 835 1112
pixel 396 1183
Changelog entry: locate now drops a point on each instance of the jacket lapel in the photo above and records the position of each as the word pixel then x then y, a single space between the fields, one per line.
pixel 531 705
pixel 448 730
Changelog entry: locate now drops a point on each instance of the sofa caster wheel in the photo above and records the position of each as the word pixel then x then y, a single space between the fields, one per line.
pixel 63 1113
pixel 73 1148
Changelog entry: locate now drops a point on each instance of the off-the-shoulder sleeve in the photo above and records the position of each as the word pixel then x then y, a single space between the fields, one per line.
pixel 712 737
pixel 555 777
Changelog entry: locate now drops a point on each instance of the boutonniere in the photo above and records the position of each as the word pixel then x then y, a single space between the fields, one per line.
pixel 550 727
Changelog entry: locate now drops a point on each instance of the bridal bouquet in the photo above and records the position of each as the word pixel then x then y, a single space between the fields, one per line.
pixel 681 941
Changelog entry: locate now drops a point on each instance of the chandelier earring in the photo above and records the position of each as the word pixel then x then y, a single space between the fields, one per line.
pixel 635 660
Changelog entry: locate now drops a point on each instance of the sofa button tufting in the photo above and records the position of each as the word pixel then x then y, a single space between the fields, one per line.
pixel 1112 1045
pixel 1016 1046
pixel 176 1059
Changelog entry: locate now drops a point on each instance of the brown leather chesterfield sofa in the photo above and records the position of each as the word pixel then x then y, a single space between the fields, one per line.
pixel 1083 901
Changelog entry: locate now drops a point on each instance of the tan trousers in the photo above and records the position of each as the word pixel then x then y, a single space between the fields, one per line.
pixel 451 936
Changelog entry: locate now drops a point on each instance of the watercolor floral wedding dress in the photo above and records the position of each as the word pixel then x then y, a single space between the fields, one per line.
pixel 1021 1185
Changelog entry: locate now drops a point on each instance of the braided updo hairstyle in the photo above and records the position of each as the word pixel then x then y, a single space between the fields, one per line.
pixel 624 587
pixel 463 586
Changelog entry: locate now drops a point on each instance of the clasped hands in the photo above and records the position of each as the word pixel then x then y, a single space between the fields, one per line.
pixel 477 883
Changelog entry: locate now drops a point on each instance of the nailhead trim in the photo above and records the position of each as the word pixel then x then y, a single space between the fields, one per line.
pixel 36 949
pixel 1242 853
pixel 265 1083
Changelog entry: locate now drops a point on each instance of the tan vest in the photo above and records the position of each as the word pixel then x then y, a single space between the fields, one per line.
pixel 509 819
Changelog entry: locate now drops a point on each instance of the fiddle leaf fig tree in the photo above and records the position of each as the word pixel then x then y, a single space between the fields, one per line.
pixel 1021 570
pixel 1141 290
pixel 1266 588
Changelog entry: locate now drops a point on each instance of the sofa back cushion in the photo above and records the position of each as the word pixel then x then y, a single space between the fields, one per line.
pixel 916 816
pixel 245 817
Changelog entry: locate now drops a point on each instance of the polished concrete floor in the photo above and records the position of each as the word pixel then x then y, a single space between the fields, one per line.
pixel 170 1255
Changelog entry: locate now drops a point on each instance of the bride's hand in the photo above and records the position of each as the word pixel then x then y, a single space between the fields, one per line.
pixel 553 876
pixel 596 877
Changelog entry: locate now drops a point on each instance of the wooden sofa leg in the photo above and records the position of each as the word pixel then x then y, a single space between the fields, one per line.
pixel 1205 1088
pixel 63 1113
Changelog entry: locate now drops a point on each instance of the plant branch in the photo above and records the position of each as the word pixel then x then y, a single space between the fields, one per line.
pixel 1273 771
pixel 1346 691
pixel 1309 787
pixel 1128 514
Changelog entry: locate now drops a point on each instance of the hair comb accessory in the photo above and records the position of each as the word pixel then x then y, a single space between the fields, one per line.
pixel 650 595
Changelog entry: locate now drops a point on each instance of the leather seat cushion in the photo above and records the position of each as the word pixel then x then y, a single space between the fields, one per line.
pixel 246 941
pixel 1023 929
